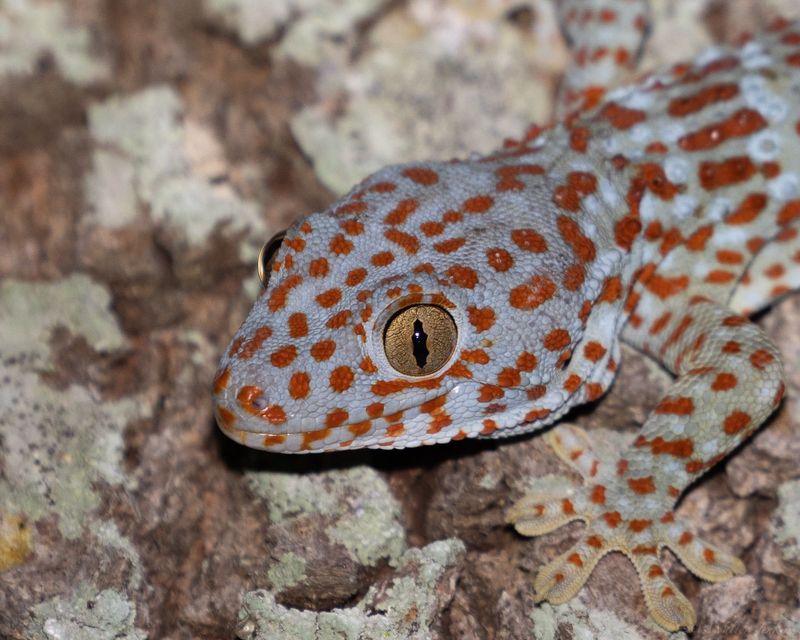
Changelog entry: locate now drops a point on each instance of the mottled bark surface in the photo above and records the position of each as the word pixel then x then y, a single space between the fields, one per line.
pixel 147 150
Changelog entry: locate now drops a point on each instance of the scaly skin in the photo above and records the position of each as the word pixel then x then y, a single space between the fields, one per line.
pixel 660 215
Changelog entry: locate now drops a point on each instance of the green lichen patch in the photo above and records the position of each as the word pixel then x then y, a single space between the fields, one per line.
pixel 366 514
pixel 786 522
pixel 582 623
pixel 448 96
pixel 88 614
pixel 289 570
pixel 146 153
pixel 56 444
pixel 405 607
pixel 30 29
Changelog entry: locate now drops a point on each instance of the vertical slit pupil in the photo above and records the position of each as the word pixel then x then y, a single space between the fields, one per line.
pixel 419 341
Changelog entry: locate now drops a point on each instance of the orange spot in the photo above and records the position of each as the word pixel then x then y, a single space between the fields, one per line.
pixel 298 325
pixel 714 175
pixel 621 117
pixel 596 542
pixel 360 428
pixel 477 356
pixel 679 406
pixel 299 385
pixel 612 518
pixel 724 382
pixel 567 507
pixel 612 290
pixel 328 298
pixel 273 439
pixel 508 377
pixel 760 358
pixel 478 204
pixel 336 418
pixel 687 105
pixel 464 277
pixel 284 356
pixel 642 486
pixel 594 351
pixel 277 299
pixel 575 559
pixel 341 379
pixel 499 259
pixel 421 175
pixel 743 122
pixel 533 294
pixel 489 392
pixel 225 418
pixel 382 258
pixel 526 361
pixel 718 276
pixel 735 422
pixel 352 227
pixel 322 350
pixel 400 213
pixel 529 240
pixel 409 243
pixel 571 232
pixel 355 277
pixel 481 318
pixel 572 383
pixel 655 571
pixel 637 526
pixel 598 495
pixel 338 320
pixel 312 436
pixel 221 380
pixel 431 228
pixel 318 268
pixel 557 339
pixel 574 276
pixel 449 246
pixel 788 213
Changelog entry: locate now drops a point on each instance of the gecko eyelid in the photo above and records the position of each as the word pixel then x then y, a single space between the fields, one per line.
pixel 267 256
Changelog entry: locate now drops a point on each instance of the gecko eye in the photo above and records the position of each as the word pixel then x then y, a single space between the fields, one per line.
pixel 267 256
pixel 420 339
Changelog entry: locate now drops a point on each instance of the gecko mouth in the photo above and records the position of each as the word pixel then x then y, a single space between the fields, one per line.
pixel 339 429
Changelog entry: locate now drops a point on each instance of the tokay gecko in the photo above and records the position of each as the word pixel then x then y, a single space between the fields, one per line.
pixel 486 297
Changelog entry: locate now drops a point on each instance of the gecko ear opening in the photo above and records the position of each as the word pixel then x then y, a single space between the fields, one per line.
pixel 419 339
pixel 267 256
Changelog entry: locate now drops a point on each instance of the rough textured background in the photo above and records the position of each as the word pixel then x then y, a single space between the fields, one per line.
pixel 147 150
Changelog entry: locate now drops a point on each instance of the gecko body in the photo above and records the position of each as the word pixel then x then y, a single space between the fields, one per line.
pixel 487 297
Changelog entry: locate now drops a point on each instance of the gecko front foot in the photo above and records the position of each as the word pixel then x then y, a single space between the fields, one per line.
pixel 623 514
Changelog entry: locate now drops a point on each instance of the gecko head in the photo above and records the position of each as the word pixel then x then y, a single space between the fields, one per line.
pixel 415 310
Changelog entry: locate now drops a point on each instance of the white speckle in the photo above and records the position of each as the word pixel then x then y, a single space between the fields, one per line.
pixel 761 61
pixel 752 48
pixel 684 206
pixel 676 169
pixel 641 133
pixel 773 108
pixel 648 208
pixel 718 209
pixel 677 428
pixel 592 205
pixel 784 187
pixel 725 235
pixel 709 448
pixel 764 146
pixel 672 131
pixel 607 192
pixel 639 100
pixel 752 86
pixel 708 56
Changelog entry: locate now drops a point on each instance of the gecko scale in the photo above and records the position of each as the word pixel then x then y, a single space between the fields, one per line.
pixel 487 297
